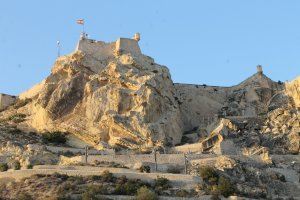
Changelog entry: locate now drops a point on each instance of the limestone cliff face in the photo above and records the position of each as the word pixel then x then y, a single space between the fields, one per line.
pixel 111 92
pixel 125 100
pixel 293 90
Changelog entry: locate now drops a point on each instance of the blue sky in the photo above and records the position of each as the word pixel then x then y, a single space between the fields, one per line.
pixel 215 42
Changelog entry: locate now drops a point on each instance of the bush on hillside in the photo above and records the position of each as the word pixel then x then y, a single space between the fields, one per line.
pixel 129 187
pixel 215 184
pixel 21 103
pixel 225 187
pixel 24 196
pixel 145 168
pixel 162 183
pixel 182 193
pixel 3 167
pixel 54 137
pixel 16 165
pixel 29 166
pixel 17 118
pixel 106 176
pixel 144 193
pixel 208 173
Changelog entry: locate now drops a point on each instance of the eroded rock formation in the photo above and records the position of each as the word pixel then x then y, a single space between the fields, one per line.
pixel 125 100
pixel 112 93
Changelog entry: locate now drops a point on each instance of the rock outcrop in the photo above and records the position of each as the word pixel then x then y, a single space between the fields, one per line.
pixel 125 100
pixel 110 93
pixel 293 90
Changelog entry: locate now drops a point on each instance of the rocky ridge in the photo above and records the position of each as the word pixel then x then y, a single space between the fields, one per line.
pixel 110 96
pixel 128 103
pixel 127 100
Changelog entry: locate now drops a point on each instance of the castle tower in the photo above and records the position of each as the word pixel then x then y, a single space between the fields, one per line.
pixel 259 69
pixel 137 36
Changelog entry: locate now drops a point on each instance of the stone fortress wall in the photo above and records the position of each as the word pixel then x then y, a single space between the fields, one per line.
pixel 102 50
pixel 199 103
pixel 97 49
pixel 6 100
pixel 127 159
pixel 126 45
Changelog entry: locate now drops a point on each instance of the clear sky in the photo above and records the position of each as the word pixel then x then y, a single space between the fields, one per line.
pixel 216 42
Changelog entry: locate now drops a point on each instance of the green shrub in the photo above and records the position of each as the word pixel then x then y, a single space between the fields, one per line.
pixel 225 187
pixel 63 177
pixel 14 130
pixel 120 189
pixel 162 183
pixel 185 140
pixel 17 118
pixel 78 180
pixel 99 189
pixel 66 186
pixel 29 166
pixel 106 176
pixel 93 190
pixel 145 168
pixel 16 165
pixel 3 167
pixel 24 196
pixel 128 187
pixel 122 180
pixel 131 187
pixel 96 178
pixel 208 173
pixel 182 193
pixel 54 137
pixel 146 194
pixel 20 103
pixel 89 195
pixel 215 184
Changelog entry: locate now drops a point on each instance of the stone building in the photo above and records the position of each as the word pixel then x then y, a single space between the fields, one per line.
pixel 6 100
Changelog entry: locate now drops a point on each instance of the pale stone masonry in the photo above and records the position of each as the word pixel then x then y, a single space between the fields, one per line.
pixel 6 100
pixel 102 50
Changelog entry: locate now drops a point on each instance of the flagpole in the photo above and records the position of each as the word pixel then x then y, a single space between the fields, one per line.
pixel 81 22
pixel 58 48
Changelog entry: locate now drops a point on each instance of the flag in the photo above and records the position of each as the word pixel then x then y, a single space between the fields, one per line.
pixel 80 21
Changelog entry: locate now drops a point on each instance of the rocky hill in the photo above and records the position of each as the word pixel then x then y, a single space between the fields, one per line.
pixel 124 100
pixel 111 93
pixel 242 140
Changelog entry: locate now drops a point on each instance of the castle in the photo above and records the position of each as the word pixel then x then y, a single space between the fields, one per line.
pixel 201 102
pixel 102 50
